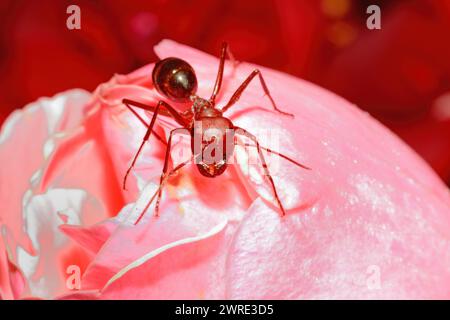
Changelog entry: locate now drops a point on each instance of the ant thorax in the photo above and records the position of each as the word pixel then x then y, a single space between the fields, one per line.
pixel 202 108
pixel 199 104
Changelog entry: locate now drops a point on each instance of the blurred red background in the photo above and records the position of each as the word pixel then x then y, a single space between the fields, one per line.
pixel 400 74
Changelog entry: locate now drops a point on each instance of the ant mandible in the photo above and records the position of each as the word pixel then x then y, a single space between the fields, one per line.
pixel 175 79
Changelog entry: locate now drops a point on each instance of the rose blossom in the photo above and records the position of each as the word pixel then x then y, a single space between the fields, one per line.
pixel 371 220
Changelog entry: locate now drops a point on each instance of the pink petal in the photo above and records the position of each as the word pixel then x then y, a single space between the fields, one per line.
pixel 178 270
pixel 369 205
pixel 51 179
pixel 24 136
pixel 132 243
pixel 90 238
pixel 12 282
pixel 324 254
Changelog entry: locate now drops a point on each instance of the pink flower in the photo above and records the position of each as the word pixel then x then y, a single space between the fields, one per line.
pixel 371 220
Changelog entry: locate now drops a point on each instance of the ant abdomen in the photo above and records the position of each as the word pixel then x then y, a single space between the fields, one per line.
pixel 175 79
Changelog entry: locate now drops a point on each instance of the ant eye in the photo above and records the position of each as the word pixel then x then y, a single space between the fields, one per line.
pixel 175 79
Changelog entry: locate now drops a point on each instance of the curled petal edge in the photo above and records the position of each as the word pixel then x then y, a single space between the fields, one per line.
pixel 136 263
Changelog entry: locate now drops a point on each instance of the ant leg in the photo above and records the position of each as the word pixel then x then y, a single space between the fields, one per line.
pixel 280 155
pixel 244 85
pixel 166 165
pixel 157 136
pixel 168 110
pixel 247 134
pixel 161 185
pixel 224 52
pixel 144 140
pixel 164 175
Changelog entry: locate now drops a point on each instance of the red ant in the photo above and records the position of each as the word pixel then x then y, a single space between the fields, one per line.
pixel 175 79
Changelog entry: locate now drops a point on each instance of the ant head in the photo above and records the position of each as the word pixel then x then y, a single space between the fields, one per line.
pixel 212 144
pixel 211 170
pixel 175 79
